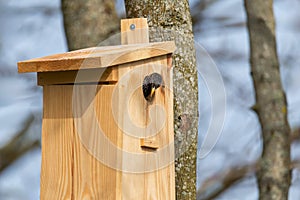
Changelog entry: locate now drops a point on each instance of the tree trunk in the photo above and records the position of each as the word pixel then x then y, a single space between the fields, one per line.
pixel 171 20
pixel 274 167
pixel 89 22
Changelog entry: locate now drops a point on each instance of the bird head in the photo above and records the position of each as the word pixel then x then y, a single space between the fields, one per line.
pixel 150 84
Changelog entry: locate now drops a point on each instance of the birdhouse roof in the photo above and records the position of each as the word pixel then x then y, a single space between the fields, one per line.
pixel 96 57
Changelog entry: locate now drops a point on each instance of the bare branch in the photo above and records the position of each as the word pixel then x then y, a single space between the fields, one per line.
pixel 295 164
pixel 217 184
pixel 295 135
pixel 17 147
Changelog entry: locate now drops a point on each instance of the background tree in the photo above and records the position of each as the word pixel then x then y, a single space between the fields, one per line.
pixel 88 22
pixel 271 106
pixel 171 20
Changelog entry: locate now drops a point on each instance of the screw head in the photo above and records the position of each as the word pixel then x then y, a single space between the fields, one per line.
pixel 132 27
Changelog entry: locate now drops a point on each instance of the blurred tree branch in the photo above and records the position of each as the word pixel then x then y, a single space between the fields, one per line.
pixel 223 20
pixel 17 146
pixel 295 135
pixel 217 184
pixel 295 164
pixel 200 6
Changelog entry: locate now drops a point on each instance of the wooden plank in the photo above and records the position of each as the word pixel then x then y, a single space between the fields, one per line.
pixel 160 182
pixel 57 144
pixel 134 31
pixel 69 169
pixel 101 75
pixel 97 57
pixel 92 178
pixel 149 143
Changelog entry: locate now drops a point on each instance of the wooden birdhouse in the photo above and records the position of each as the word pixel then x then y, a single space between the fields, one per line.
pixel 107 129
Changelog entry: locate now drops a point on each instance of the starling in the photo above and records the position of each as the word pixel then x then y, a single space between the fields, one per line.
pixel 150 84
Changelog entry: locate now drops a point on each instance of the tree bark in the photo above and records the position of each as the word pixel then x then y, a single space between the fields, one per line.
pixel 171 20
pixel 88 22
pixel 273 172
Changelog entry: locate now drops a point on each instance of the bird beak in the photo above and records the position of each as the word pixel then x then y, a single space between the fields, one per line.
pixel 152 91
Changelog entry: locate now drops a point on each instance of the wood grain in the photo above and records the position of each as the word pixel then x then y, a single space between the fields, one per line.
pixel 140 33
pixel 92 178
pixel 57 144
pixel 155 176
pixel 148 143
pixel 96 57
pixel 70 168
pixel 151 180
